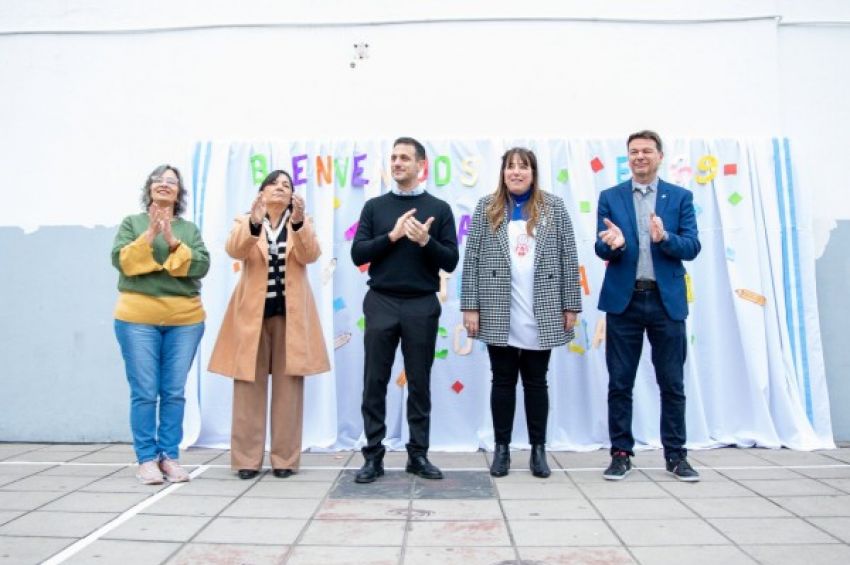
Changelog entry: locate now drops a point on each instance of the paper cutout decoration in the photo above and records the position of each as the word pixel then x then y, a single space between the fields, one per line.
pixel 328 271
pixel 584 206
pixel 730 169
pixel 361 323
pixel 751 296
pixel 730 254
pixel 689 288
pixel 563 176
pixel 575 348
pixel 364 267
pixel 339 303
pixel 599 334
pixel 349 233
pixel 735 199
pixel 707 164
pixel 237 266
pixel 342 339
pixel 596 165
pixel 680 172
pixel 457 386
pixel 441 354
pixel 442 332
pixel 466 347
pixel 401 380
pixel 337 202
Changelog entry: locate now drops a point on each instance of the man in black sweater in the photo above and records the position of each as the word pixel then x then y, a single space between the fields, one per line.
pixel 406 236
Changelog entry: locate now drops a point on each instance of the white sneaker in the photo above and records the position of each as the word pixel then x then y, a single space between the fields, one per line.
pixel 149 473
pixel 173 471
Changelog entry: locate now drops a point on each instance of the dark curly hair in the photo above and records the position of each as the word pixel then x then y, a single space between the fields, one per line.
pixel 179 204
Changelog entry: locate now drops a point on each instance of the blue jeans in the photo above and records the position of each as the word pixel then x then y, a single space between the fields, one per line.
pixel 624 341
pixel 157 359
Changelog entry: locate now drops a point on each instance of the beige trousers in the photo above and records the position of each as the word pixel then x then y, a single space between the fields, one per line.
pixel 250 402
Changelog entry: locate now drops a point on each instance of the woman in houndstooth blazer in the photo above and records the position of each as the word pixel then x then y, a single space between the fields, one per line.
pixel 520 295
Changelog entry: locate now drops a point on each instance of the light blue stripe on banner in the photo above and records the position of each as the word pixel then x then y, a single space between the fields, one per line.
pixel 195 157
pixel 204 185
pixel 801 317
pixel 783 229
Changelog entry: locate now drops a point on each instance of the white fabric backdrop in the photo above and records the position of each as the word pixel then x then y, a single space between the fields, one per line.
pixel 754 374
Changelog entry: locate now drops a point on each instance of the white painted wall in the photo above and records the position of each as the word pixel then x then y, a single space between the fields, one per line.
pixel 85 116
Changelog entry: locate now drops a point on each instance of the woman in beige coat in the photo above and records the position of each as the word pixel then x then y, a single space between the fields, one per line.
pixel 271 327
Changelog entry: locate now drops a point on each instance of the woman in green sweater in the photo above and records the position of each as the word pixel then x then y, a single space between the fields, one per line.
pixel 159 319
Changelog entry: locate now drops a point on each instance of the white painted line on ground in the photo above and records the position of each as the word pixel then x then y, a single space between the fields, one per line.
pixel 75 548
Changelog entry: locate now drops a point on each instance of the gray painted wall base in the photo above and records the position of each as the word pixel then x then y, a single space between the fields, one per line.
pixel 61 370
pixel 833 280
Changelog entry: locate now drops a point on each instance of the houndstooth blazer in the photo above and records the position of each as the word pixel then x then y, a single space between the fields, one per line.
pixel 486 278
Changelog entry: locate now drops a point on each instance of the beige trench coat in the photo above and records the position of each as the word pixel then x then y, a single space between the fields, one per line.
pixel 235 352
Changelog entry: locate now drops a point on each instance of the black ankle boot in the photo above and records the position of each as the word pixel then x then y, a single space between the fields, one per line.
pixel 501 460
pixel 539 466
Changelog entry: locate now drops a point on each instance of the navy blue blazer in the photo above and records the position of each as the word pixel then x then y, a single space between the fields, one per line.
pixel 675 206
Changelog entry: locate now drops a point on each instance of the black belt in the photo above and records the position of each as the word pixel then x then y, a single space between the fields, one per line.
pixel 643 285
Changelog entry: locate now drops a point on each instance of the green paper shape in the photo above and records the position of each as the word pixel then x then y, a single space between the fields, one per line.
pixel 361 323
pixel 441 354
pixel 563 175
pixel 442 332
pixel 735 199
pixel 584 206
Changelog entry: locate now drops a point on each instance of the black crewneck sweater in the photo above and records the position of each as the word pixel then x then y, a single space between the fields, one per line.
pixel 404 268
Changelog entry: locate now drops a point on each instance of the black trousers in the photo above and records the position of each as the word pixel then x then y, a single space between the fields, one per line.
pixel 414 322
pixel 624 341
pixel 507 363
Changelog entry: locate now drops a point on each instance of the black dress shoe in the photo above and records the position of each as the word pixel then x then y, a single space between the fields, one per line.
pixel 539 466
pixel 420 466
pixel 370 471
pixel 247 473
pixel 283 473
pixel 501 460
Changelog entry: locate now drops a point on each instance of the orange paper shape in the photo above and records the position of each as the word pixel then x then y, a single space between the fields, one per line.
pixel 402 379
pixel 751 296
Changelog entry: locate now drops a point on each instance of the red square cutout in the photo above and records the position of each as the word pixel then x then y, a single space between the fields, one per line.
pixel 730 169
pixel 596 165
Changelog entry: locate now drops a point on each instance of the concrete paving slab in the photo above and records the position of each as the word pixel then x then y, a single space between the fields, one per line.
pixel 838 527
pixel 706 489
pixel 756 531
pixel 455 484
pixel 40 483
pixel 287 489
pixel 104 552
pixel 842 454
pixel 49 456
pixel 597 459
pixel 475 533
pixel 635 533
pixel 562 533
pixel 842 484
pixel 201 486
pixel 541 490
pixel 93 471
pixel 815 505
pixel 198 505
pixel 791 457
pixel 22 500
pixel 9 515
pixel 693 555
pixel 798 487
pixel 626 488
pixel 26 550
pixel 394 484
pixel 444 460
pixel 444 510
pixel 331 459
pixel 354 532
pixel 94 502
pixel 158 528
pixel 122 484
pixel 259 531
pixel 224 554
pixel 575 556
pixel 831 472
pixel 326 555
pixel 465 555
pixel 353 509
pixel 305 475
pixel 107 457
pixel 564 509
pixel 56 524
pixel 642 508
pixel 252 507
pixel 797 554
pixel 523 475
pixel 761 474
pixel 595 476
pixel 660 474
pixel 728 457
pixel 735 507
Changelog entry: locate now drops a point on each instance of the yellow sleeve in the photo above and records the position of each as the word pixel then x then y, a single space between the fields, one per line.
pixel 179 261
pixel 136 258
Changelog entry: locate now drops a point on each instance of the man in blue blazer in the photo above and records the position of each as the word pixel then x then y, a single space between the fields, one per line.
pixel 647 227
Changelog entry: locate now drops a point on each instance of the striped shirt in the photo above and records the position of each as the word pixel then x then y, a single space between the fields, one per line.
pixel 276 286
